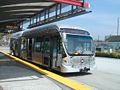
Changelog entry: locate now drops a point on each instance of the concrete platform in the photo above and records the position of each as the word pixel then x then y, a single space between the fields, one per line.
pixel 15 76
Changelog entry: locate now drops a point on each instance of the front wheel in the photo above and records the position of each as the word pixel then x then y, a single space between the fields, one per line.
pixel 85 70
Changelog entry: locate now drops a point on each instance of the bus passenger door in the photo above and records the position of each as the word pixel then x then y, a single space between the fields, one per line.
pixel 47 52
pixel 57 55
pixel 23 53
pixel 37 51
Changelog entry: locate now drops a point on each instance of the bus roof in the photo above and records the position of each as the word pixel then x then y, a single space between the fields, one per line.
pixel 17 34
pixel 51 27
pixel 59 26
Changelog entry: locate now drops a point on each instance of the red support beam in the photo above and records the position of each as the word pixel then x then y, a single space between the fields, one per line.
pixel 73 2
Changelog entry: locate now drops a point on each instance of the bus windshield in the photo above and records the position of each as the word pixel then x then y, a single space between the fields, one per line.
pixel 79 45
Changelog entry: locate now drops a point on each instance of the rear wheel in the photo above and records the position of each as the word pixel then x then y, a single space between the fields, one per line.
pixel 12 52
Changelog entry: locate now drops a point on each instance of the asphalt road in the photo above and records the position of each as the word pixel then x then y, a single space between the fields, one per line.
pixel 106 75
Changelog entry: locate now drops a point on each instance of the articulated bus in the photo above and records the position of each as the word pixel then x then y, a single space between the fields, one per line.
pixel 63 49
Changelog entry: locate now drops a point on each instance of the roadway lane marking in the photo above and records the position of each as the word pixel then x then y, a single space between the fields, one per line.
pixel 70 83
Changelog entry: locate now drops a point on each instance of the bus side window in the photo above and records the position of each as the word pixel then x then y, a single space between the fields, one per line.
pixel 47 46
pixel 24 44
pixel 37 46
pixel 57 46
pixel 63 53
pixel 42 46
pixel 60 48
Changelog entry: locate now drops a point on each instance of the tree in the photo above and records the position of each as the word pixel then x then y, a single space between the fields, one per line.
pixel 1 35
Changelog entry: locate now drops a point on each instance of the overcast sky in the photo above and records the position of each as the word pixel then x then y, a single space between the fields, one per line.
pixel 101 22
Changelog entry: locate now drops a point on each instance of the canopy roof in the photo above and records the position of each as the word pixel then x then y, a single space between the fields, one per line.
pixel 12 10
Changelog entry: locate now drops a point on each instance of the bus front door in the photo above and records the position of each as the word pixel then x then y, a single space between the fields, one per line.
pixel 56 55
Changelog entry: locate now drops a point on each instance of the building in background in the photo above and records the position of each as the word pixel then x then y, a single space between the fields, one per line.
pixel 110 44
pixel 102 46
pixel 114 42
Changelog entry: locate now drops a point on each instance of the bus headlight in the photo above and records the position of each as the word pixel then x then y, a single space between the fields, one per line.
pixel 65 59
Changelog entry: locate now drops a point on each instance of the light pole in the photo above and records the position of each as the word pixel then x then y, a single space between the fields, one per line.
pixel 118 32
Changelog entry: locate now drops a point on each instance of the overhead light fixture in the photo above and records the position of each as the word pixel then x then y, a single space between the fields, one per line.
pixel 19 10
pixel 23 14
pixel 30 4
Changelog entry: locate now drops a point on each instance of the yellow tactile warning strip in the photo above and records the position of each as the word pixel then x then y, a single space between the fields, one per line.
pixel 72 84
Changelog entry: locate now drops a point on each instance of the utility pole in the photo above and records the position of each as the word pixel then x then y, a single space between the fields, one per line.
pixel 117 26
pixel 98 37
pixel 117 33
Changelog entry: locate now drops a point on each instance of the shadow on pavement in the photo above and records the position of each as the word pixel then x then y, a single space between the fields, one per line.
pixel 76 74
pixel 10 70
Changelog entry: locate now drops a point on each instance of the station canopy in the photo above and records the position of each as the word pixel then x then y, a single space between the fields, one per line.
pixel 15 11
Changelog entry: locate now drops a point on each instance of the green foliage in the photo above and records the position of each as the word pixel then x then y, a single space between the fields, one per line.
pixel 1 35
pixel 110 55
